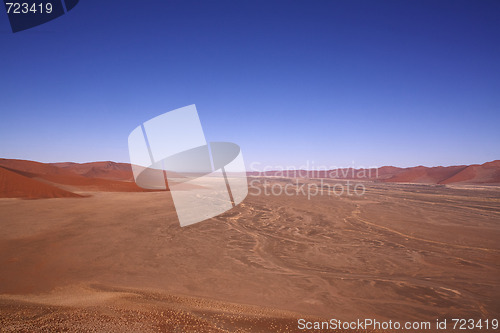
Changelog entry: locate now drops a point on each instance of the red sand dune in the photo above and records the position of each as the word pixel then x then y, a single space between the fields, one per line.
pixel 426 175
pixel 15 185
pixel 109 176
pixel 33 167
pixel 106 170
pixel 477 174
pixel 94 184
pixel 43 180
pixel 388 171
pixel 487 173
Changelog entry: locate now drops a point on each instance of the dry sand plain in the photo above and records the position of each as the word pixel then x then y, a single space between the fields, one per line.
pixel 121 262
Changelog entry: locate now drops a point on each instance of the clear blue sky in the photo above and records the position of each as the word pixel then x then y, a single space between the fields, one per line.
pixel 335 82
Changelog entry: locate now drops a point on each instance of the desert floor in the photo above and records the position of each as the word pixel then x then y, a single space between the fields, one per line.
pixel 121 262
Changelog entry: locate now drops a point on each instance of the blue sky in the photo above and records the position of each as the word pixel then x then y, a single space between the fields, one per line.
pixel 335 83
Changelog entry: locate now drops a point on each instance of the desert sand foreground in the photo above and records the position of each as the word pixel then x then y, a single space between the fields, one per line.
pixel 96 308
pixel 120 261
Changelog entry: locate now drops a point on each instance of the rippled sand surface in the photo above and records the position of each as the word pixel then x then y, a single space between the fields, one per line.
pixel 120 261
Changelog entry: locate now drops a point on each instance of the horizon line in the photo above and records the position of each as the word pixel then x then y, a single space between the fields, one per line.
pixel 331 167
